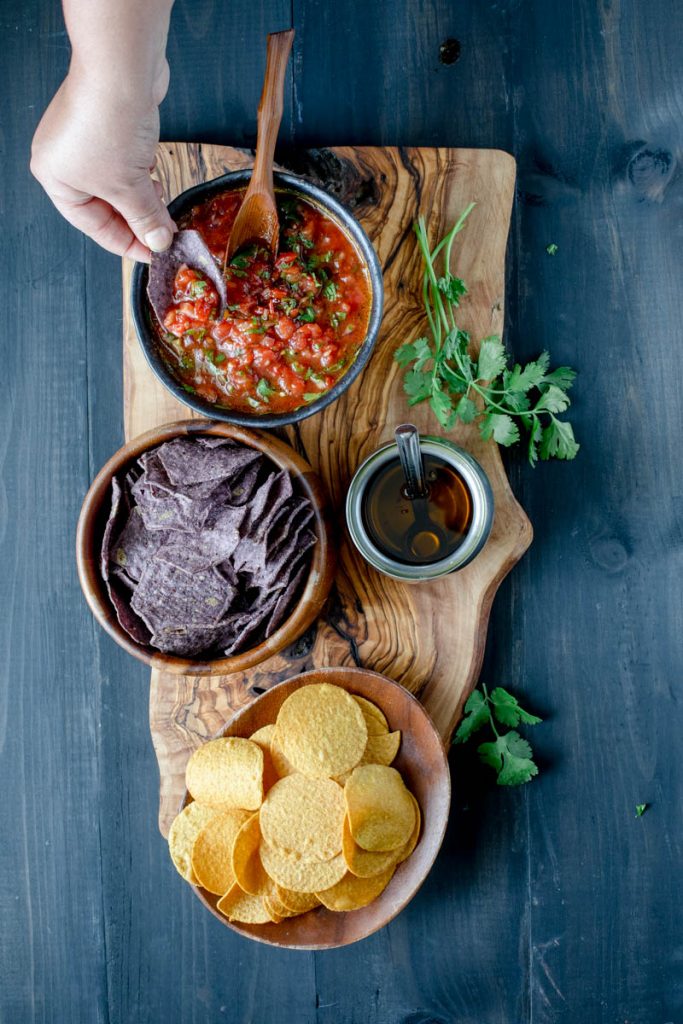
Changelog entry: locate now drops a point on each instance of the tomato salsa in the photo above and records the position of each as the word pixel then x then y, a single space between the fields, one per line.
pixel 291 327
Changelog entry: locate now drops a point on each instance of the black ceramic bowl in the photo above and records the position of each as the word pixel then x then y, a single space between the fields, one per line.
pixel 332 209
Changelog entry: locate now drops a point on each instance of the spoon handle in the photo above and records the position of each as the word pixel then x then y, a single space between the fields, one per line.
pixel 410 454
pixel 270 107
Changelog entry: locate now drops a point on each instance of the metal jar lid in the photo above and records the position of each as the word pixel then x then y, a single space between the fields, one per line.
pixel 482 511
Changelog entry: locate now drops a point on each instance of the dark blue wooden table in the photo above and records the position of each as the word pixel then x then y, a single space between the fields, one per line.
pixel 549 903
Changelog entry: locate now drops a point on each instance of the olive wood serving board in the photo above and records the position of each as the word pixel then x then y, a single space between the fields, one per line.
pixel 428 637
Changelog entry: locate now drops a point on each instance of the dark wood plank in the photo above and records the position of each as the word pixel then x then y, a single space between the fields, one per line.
pixel 552 904
pixel 600 589
pixel 51 956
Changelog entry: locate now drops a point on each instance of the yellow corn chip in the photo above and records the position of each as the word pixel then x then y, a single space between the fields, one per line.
pixel 300 874
pixel 381 749
pixel 263 737
pixel 374 718
pixel 296 902
pixel 280 762
pixel 212 850
pixel 240 906
pixel 182 834
pixel 246 862
pixel 363 863
pixel 412 842
pixel 304 816
pixel 352 892
pixel 321 730
pixel 380 809
pixel 227 772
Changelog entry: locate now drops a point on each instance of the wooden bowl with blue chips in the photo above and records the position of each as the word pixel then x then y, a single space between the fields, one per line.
pixel 204 548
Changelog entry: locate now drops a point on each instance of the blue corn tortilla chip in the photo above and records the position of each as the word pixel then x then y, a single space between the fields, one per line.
pixel 251 627
pixel 188 249
pixel 287 600
pixel 166 595
pixel 209 547
pixel 135 545
pixel 190 641
pixel 242 489
pixel 186 462
pixel 116 495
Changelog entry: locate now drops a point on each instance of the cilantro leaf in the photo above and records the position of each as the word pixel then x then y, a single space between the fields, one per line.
pixel 508 710
pixel 640 809
pixel 418 351
pixel 535 432
pixel 563 377
pixel 417 385
pixel 557 440
pixel 453 288
pixel 527 377
pixel 551 249
pixel 552 400
pixel 511 756
pixel 476 715
pixel 466 410
pixel 441 406
pixel 491 358
pixel 264 390
pixel 500 427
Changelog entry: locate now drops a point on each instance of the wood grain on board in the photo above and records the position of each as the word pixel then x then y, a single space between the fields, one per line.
pixel 429 637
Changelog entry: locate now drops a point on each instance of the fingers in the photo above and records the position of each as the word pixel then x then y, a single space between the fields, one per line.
pixel 141 206
pixel 104 225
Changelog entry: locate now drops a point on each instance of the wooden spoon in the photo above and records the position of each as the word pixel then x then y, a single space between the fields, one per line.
pixel 257 219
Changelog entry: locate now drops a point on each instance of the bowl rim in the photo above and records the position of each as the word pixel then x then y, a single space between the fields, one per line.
pixel 350 673
pixel 313 596
pixel 352 229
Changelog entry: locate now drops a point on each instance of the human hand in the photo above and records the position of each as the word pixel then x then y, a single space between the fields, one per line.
pixel 93 153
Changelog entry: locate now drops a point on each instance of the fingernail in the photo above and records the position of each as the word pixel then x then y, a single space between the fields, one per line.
pixel 159 239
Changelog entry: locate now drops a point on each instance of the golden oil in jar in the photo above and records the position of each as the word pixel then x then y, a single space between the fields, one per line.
pixel 423 530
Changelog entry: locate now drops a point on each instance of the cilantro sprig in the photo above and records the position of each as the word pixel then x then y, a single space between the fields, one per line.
pixel 501 398
pixel 509 753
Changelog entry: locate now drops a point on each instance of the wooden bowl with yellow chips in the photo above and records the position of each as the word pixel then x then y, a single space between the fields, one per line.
pixel 422 762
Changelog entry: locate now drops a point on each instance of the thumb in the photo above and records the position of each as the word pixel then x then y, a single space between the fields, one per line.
pixel 149 220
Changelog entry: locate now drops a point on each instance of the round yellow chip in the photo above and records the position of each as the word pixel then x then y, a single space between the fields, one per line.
pixel 321 730
pixel 296 902
pixel 374 718
pixel 182 834
pixel 380 809
pixel 272 909
pixel 299 873
pixel 212 850
pixel 412 842
pixel 227 772
pixel 246 862
pixel 280 762
pixel 277 910
pixel 381 749
pixel 240 906
pixel 263 737
pixel 305 816
pixel 352 892
pixel 363 863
